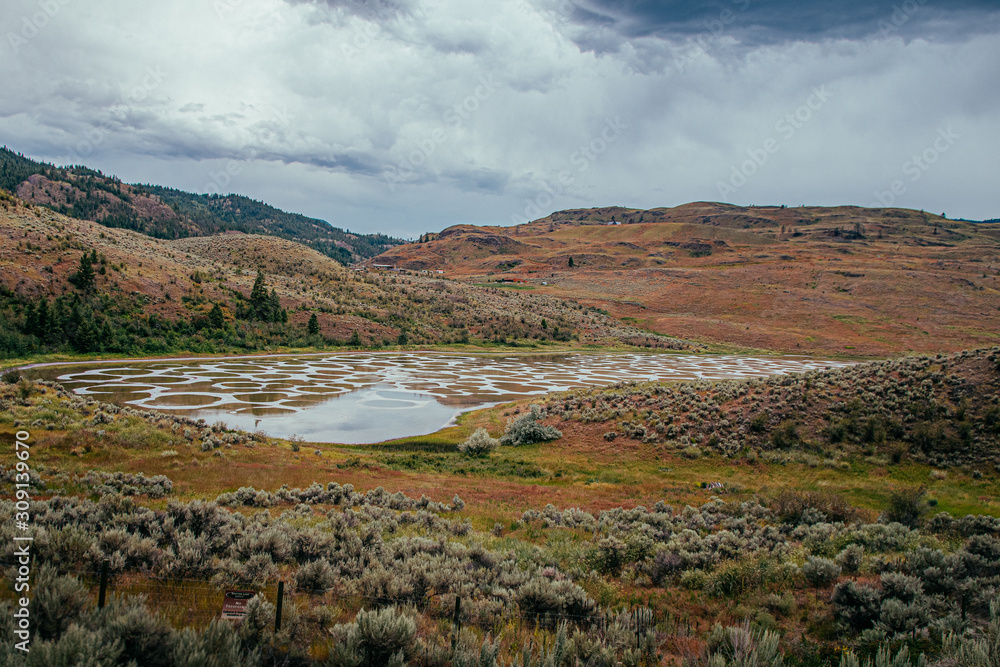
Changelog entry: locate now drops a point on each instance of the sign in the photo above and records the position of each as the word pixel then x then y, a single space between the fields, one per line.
pixel 234 604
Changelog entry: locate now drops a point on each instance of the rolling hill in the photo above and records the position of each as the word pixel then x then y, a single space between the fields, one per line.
pixel 166 213
pixel 820 280
pixel 153 296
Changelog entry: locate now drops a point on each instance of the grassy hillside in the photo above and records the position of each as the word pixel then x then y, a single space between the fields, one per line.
pixel 841 280
pixel 167 213
pixel 196 294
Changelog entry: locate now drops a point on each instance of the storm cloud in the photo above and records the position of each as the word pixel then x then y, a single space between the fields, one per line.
pixel 407 116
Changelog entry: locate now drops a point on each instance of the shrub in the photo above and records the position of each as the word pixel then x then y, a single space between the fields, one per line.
pixel 740 646
pixel 782 604
pixel 378 637
pixel 217 645
pixel 792 507
pixel 56 603
pixel 257 623
pixel 609 556
pixel 525 430
pixel 884 657
pixel 479 443
pixel 315 577
pixel 542 596
pixel 820 571
pixel 850 558
pixel 758 423
pixel 78 646
pixel 906 506
pixel 857 607
pixel 785 435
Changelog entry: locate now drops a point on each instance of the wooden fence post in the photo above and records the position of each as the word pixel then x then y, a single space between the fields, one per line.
pixel 102 595
pixel 277 611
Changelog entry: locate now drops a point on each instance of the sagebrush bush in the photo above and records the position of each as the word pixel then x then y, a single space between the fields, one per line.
pixel 850 558
pixel 56 602
pixel 377 637
pixel 820 572
pixel 316 576
pixel 525 430
pixel 739 646
pixel 479 443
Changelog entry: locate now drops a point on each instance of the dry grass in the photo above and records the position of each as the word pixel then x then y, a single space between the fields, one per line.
pixel 915 282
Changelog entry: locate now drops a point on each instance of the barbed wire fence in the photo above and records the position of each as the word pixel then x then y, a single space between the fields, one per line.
pixel 195 602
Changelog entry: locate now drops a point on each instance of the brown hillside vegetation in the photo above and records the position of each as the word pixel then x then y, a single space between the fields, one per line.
pixel 841 280
pixel 185 278
pixel 941 410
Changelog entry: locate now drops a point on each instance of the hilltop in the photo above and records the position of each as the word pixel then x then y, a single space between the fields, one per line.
pixel 166 213
pixel 818 280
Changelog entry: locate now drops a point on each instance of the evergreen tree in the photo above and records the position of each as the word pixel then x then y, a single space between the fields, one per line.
pixel 273 308
pixel 84 277
pixel 30 319
pixel 85 339
pixel 355 340
pixel 571 262
pixel 107 337
pixel 313 326
pixel 215 317
pixel 43 319
pixel 258 297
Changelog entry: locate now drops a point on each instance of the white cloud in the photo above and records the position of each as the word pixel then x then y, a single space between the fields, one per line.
pixel 479 110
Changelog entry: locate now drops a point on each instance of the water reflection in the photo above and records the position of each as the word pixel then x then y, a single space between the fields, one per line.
pixel 354 398
pixel 366 415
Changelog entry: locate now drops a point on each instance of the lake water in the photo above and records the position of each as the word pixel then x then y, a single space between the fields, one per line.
pixel 367 398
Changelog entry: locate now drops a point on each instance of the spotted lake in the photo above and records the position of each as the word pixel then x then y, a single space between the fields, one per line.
pixel 367 398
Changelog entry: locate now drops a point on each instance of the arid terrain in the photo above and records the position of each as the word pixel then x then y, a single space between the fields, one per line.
pixel 844 280
pixel 185 278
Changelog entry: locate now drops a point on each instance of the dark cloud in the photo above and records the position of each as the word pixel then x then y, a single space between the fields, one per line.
pixel 377 10
pixel 766 20
pixel 399 113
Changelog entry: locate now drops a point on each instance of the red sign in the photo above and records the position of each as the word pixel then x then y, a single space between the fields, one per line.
pixel 234 605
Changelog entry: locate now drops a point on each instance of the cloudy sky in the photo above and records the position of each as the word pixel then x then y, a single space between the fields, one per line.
pixel 407 116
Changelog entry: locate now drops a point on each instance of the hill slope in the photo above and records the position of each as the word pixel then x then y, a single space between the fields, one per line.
pixel 943 410
pixel 802 280
pixel 166 213
pixel 150 296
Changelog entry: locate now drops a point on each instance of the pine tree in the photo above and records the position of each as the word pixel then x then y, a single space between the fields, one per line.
pixel 571 262
pixel 215 317
pixel 85 339
pixel 313 326
pixel 258 297
pixel 43 319
pixel 30 319
pixel 273 308
pixel 355 340
pixel 84 277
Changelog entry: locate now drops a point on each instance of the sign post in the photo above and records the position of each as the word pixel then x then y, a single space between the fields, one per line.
pixel 234 604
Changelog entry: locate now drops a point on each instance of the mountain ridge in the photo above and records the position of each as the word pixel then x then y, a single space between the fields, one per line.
pixel 168 213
